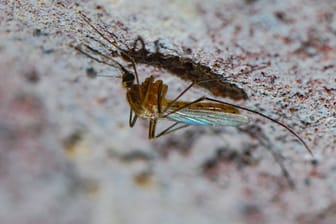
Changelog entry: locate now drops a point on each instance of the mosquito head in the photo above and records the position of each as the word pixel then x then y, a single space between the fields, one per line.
pixel 127 79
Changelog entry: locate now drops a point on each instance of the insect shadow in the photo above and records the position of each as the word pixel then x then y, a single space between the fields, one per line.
pixel 184 68
pixel 148 100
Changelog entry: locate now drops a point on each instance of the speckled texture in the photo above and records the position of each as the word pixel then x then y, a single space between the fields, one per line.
pixel 67 154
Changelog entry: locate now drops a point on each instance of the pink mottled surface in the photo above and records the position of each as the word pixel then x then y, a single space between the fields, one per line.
pixel 67 154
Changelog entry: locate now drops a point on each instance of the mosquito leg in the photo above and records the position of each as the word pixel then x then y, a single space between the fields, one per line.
pixel 242 108
pixel 152 127
pixel 274 154
pixel 182 107
pixel 265 116
pixel 238 107
pixel 185 90
pixel 171 129
pixel 179 96
pixel 132 119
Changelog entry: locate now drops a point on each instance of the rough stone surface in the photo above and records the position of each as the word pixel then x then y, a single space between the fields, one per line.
pixel 67 154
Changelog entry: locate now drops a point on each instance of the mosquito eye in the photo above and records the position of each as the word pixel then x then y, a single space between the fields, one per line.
pixel 128 79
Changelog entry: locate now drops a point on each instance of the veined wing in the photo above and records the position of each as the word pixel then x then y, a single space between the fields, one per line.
pixel 205 117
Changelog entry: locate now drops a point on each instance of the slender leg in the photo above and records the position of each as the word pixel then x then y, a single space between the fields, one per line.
pixel 184 106
pixel 246 109
pixel 152 126
pixel 185 90
pixel 265 116
pixel 171 129
pixel 178 97
pixel 132 119
pixel 268 146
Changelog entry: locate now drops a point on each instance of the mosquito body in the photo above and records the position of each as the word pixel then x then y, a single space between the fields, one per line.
pixel 148 100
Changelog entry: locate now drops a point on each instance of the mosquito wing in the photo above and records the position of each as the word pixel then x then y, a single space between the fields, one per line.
pixel 208 117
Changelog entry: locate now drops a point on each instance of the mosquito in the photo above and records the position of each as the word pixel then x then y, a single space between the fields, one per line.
pixel 148 100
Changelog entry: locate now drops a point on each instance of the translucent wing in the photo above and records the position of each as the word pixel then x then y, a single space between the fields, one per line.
pixel 205 117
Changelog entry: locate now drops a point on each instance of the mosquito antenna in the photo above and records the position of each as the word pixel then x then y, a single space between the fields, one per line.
pixel 113 43
pixel 114 63
pixel 103 45
pixel 267 117
pixel 101 34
